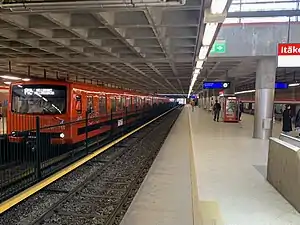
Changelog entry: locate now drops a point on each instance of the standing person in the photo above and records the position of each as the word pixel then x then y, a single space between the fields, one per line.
pixel 287 120
pixel 297 122
pixel 216 109
pixel 193 105
pixel 241 110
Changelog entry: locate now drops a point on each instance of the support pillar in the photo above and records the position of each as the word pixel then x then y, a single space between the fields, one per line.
pixel 201 100
pixel 264 97
pixel 208 100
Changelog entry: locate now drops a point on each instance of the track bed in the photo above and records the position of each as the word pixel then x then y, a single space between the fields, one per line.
pixel 100 191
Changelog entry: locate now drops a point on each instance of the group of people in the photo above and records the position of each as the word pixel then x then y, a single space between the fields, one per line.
pixel 217 109
pixel 286 116
pixel 287 120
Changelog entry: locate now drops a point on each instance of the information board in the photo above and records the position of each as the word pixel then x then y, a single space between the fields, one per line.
pixel 216 84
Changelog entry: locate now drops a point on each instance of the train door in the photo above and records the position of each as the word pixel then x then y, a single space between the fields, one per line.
pixel 90 105
pixel 102 105
pixel 134 103
pixel 123 102
pixel 119 103
pixel 128 104
pixel 113 104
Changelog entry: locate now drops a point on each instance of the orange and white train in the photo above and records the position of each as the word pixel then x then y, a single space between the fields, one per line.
pixel 57 103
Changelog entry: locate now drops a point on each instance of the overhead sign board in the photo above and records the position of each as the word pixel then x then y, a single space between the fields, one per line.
pixel 288 55
pixel 281 85
pixel 216 85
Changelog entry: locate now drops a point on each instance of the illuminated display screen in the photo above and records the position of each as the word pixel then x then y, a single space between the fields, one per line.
pixel 281 85
pixel 39 91
pixel 216 85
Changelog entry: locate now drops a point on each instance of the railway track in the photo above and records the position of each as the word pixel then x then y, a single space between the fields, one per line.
pixel 100 191
pixel 15 176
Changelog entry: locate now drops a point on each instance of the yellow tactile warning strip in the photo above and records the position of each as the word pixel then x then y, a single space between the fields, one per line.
pixel 204 212
pixel 35 188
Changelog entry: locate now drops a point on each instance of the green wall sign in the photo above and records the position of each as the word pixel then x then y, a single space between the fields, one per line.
pixel 218 47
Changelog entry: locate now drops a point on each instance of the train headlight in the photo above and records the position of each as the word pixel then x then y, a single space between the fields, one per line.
pixel 62 135
pixel 13 133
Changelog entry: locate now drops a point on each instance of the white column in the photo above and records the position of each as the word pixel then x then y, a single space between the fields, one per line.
pixel 264 97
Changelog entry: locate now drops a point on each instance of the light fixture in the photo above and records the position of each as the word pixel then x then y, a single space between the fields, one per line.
pixel 26 79
pixel 203 52
pixel 244 92
pixel 199 64
pixel 218 6
pixel 209 33
pixel 7 82
pixel 294 84
pixel 197 70
pixel 10 77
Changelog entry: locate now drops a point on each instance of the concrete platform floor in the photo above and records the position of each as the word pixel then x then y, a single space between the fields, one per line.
pixel 231 170
pixel 165 195
pixel 230 178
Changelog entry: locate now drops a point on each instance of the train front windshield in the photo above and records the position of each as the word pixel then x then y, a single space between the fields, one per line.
pixel 39 99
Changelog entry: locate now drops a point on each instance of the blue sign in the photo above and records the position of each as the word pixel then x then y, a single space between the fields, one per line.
pixel 281 85
pixel 216 85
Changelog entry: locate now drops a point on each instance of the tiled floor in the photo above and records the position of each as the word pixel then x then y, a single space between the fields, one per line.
pixel 231 168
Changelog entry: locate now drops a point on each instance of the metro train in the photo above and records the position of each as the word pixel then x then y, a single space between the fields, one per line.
pixel 279 105
pixel 61 102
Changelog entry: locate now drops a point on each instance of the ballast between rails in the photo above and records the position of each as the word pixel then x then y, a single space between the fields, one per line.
pixel 4 206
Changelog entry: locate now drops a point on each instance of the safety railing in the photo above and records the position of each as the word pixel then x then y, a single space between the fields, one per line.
pixel 27 156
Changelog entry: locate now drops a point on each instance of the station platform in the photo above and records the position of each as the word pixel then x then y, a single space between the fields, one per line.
pixel 165 195
pixel 230 170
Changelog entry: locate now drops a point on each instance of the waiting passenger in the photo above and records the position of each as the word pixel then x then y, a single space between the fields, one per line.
pixel 216 109
pixel 287 120
pixel 297 122
pixel 241 110
pixel 193 105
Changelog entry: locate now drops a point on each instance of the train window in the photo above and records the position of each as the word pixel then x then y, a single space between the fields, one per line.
pixel 139 103
pixel 78 104
pixel 102 105
pixel 119 104
pixel 133 101
pixel 128 103
pixel 123 102
pixel 113 104
pixel 40 99
pixel 90 104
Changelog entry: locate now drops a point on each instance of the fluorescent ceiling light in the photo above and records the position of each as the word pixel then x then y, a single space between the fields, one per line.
pixel 218 6
pixel 209 33
pixel 203 52
pixel 197 71
pixel 7 82
pixel 244 92
pixel 199 64
pixel 26 79
pixel 294 85
pixel 10 77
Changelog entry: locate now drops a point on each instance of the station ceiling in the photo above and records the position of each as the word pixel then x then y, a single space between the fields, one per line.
pixel 144 48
